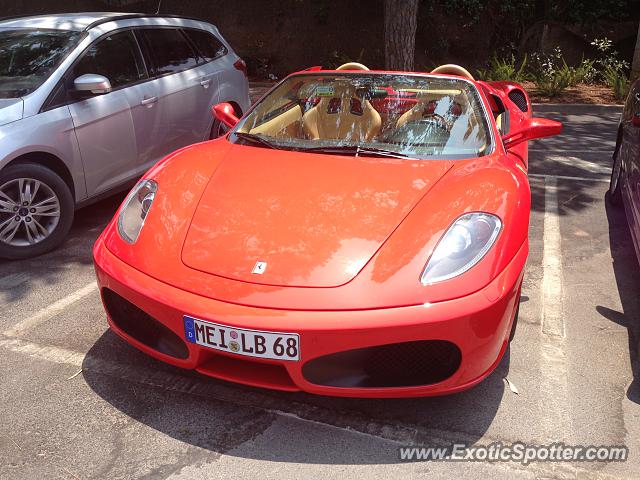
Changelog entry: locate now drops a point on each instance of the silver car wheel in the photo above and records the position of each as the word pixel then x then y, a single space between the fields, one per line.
pixel 29 212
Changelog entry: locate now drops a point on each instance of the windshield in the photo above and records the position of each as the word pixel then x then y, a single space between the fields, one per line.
pixel 370 114
pixel 28 57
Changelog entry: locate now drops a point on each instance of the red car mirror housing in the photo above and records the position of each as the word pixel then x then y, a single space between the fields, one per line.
pixel 536 128
pixel 225 113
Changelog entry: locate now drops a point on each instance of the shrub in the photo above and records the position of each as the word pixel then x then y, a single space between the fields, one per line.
pixel 504 69
pixel 583 73
pixel 607 62
pixel 552 84
pixel 616 79
pixel 551 74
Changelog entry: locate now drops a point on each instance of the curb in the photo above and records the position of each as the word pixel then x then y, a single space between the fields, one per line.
pixel 577 108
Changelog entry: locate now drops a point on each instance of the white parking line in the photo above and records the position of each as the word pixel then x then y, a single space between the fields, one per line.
pixel 553 359
pixel 405 434
pixel 570 150
pixel 576 162
pixel 568 177
pixel 43 352
pixel 552 319
pixel 50 311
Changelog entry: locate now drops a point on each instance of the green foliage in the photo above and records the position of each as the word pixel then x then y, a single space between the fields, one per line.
pixel 609 69
pixel 607 62
pixel 618 81
pixel 504 69
pixel 589 11
pixel 528 11
pixel 550 73
pixel 552 84
pixel 584 72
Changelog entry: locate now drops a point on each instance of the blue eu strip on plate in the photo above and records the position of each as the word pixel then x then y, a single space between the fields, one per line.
pixel 189 329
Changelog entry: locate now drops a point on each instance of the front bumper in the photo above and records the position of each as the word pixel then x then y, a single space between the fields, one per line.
pixel 478 324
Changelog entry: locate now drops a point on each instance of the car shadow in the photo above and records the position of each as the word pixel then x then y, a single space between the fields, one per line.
pixel 582 150
pixel 146 390
pixel 20 278
pixel 627 273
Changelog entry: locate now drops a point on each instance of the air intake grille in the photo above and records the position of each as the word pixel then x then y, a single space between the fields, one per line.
pixel 142 326
pixel 517 97
pixel 405 364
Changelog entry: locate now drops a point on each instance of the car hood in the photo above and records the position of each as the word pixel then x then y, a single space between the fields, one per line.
pixel 314 220
pixel 11 110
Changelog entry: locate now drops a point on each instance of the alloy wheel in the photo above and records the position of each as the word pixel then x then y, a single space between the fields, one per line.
pixel 29 212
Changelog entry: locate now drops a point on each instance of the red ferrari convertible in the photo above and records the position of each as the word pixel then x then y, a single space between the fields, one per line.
pixel 357 233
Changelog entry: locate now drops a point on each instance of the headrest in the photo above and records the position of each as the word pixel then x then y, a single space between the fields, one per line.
pixel 452 69
pixel 353 66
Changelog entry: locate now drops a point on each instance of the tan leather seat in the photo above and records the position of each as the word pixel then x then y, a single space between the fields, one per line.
pixel 342 116
pixel 353 66
pixel 453 69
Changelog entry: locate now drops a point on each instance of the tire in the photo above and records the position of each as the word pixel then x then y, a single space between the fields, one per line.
pixel 614 194
pixel 42 206
pixel 515 322
pixel 218 130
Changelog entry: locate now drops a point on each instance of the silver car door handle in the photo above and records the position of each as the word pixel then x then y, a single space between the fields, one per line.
pixel 206 83
pixel 148 101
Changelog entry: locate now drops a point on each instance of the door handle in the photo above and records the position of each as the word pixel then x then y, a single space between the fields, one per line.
pixel 206 83
pixel 148 101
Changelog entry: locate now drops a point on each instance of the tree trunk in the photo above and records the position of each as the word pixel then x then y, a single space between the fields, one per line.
pixel 400 23
pixel 635 66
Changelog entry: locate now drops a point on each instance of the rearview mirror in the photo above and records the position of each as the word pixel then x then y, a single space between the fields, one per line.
pixel 92 83
pixel 535 128
pixel 225 113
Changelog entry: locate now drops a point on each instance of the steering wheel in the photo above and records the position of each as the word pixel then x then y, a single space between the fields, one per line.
pixel 436 120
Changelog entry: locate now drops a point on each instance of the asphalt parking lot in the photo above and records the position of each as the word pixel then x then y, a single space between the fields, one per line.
pixel 77 402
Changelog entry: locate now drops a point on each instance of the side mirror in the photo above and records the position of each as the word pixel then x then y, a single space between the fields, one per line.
pixel 536 128
pixel 225 113
pixel 92 84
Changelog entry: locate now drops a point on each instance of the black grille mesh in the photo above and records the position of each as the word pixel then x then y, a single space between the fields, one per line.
pixel 517 97
pixel 142 326
pixel 404 364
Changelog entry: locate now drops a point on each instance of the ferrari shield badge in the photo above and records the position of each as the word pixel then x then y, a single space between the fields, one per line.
pixel 259 268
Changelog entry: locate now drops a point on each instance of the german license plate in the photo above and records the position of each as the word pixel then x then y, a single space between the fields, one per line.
pixel 250 343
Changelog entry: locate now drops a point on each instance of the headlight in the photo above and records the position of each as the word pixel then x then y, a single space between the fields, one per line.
pixel 465 243
pixel 135 210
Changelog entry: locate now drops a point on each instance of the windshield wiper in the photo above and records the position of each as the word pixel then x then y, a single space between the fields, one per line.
pixel 253 138
pixel 356 150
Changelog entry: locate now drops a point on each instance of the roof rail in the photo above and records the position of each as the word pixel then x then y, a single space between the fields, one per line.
pixel 113 18
pixel 127 16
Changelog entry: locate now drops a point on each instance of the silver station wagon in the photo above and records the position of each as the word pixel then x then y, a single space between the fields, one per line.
pixel 89 102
